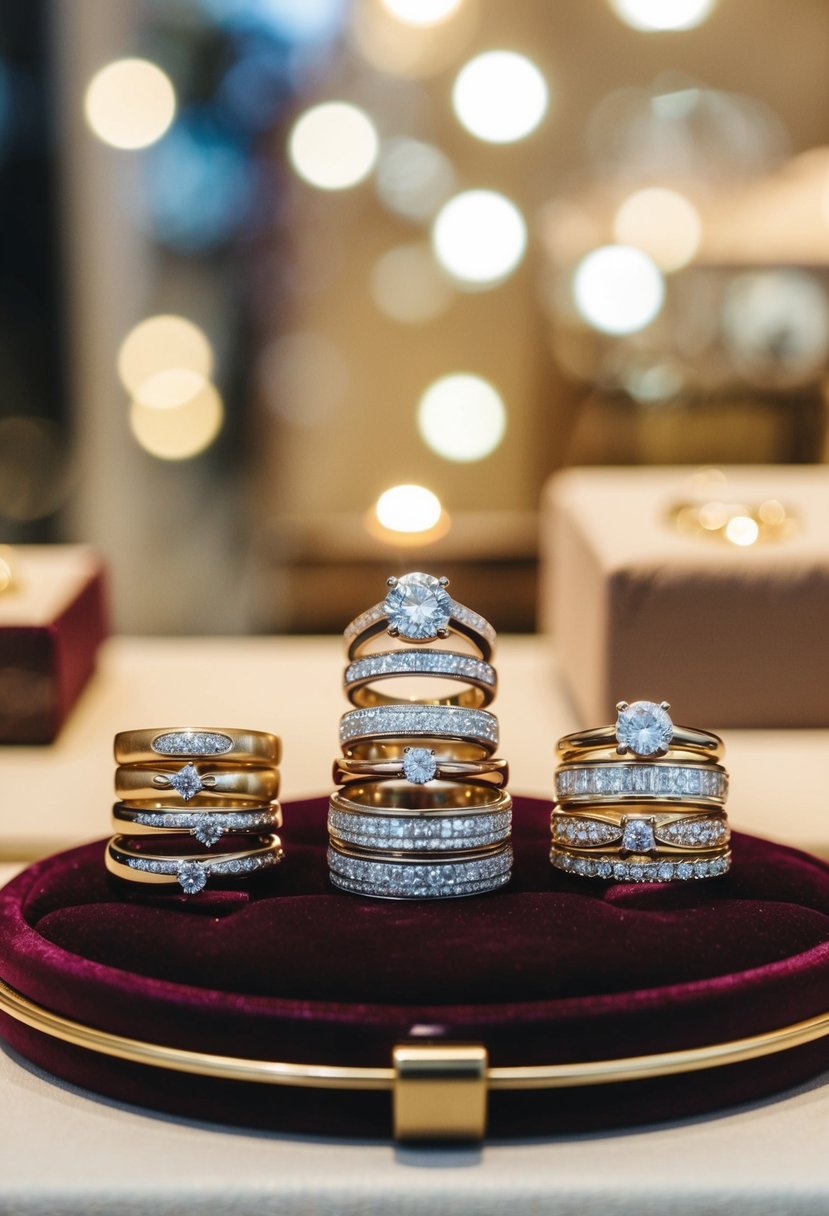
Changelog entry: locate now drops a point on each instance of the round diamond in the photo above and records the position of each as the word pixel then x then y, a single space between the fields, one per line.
pixel 644 728
pixel 418 606
pixel 419 765
pixel 186 781
pixel 192 877
pixel 207 830
pixel 637 836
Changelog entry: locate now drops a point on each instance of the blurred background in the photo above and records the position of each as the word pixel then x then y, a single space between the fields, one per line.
pixel 299 293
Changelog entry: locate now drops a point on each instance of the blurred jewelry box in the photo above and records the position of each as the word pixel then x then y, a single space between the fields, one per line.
pixel 707 589
pixel 53 618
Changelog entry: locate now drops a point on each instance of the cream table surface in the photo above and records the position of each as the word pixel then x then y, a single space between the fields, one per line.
pixel 66 1151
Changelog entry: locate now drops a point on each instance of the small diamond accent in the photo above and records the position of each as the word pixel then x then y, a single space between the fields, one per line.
pixel 196 873
pixel 694 833
pixel 208 830
pixel 186 782
pixel 570 830
pixel 213 825
pixel 192 743
pixel 418 606
pixel 419 765
pixel 652 871
pixel 192 877
pixel 637 836
pixel 644 728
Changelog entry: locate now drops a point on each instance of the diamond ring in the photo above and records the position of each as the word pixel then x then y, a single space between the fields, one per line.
pixel 419 766
pixel 239 747
pixel 449 824
pixel 419 878
pixel 659 780
pixel 641 871
pixel 643 729
pixel 208 826
pixel 190 872
pixel 434 722
pixel 640 833
pixel 362 676
pixel 195 785
pixel 418 608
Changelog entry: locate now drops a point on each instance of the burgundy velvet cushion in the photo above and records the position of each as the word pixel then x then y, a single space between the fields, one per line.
pixel 551 969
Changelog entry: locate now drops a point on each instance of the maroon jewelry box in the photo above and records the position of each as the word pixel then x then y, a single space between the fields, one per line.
pixel 51 625
pixel 551 970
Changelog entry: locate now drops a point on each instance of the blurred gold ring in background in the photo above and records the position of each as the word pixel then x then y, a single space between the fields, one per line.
pixel 739 524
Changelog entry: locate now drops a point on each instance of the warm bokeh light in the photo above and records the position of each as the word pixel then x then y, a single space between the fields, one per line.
pixel 662 223
pixel 333 145
pixel 742 530
pixel 775 326
pixel 617 289
pixel 302 377
pixel 7 576
pixel 408 508
pixel 421 12
pixel 407 286
pixel 169 389
pixel 479 237
pixel 413 178
pixel 160 343
pixel 130 103
pixel 663 14
pixel 500 96
pixel 182 432
pixel 462 417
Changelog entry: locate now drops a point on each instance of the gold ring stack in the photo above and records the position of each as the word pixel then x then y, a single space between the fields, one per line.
pixel 641 801
pixel 181 792
pixel 422 810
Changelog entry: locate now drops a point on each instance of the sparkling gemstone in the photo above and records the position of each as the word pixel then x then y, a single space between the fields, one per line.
pixel 192 743
pixel 637 836
pixel 417 606
pixel 208 830
pixel 666 871
pixel 186 781
pixel 192 877
pixel 419 765
pixel 644 728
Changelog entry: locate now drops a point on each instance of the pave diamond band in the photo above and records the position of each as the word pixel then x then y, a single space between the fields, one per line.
pixel 640 834
pixel 422 878
pixel 420 833
pixel 441 722
pixel 189 872
pixel 208 827
pixel 229 745
pixel 622 780
pixel 362 675
pixel 617 870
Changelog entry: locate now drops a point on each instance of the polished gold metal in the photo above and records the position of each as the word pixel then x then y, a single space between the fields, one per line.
pixel 340 1076
pixel 127 820
pixel 385 751
pixel 120 852
pixel 348 772
pixel 440 1091
pixel 140 786
pixel 601 744
pixel 382 798
pixel 253 747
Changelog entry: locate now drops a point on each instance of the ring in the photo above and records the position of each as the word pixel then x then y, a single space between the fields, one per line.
pixel 207 826
pixel 635 871
pixel 419 766
pixel 190 871
pixel 196 785
pixel 576 784
pixel 438 831
pixel 644 729
pixel 418 608
pixel 641 834
pixel 234 746
pixel 433 722
pixel 419 878
pixel 362 674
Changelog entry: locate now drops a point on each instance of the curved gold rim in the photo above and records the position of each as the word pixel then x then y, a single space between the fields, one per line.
pixel 331 1076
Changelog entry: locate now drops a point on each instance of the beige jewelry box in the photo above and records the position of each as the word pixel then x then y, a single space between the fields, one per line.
pixel 733 635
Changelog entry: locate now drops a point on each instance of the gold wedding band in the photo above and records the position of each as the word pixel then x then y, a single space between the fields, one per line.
pixel 195 785
pixel 218 743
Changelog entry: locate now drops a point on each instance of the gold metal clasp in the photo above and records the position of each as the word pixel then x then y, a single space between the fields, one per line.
pixel 440 1091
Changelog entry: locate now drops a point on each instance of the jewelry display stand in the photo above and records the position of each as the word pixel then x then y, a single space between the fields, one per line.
pixel 556 1005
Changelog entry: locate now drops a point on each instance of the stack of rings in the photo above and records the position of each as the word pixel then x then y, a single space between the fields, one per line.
pixel 643 801
pixel 422 811
pixel 195 806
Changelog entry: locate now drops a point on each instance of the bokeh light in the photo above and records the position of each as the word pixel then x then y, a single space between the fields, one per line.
pixel 7 568
pixel 663 14
pixel 479 237
pixel 500 96
pixel 775 326
pixel 292 20
pixel 413 178
pixel 161 343
pixel 333 145
pixel 617 289
pixel 742 530
pixel 408 508
pixel 421 12
pixel 169 389
pixel 182 432
pixel 130 103
pixel 462 417
pixel 407 286
pixel 302 377
pixel 662 223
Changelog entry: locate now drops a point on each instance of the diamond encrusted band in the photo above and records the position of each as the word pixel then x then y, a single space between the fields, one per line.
pixel 622 780
pixel 229 745
pixel 208 827
pixel 362 674
pixel 418 608
pixel 427 879
pixel 641 871
pixel 638 834
pixel 416 833
pixel 190 873
pixel 420 721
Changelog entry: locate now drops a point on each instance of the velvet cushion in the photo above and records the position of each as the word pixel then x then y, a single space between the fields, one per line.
pixel 552 969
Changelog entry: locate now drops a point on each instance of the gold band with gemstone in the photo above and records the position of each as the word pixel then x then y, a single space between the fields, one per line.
pixel 613 868
pixel 218 744
pixel 643 729
pixel 489 772
pixel 210 785
pixel 215 821
pixel 640 830
pixel 597 783
pixel 190 871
